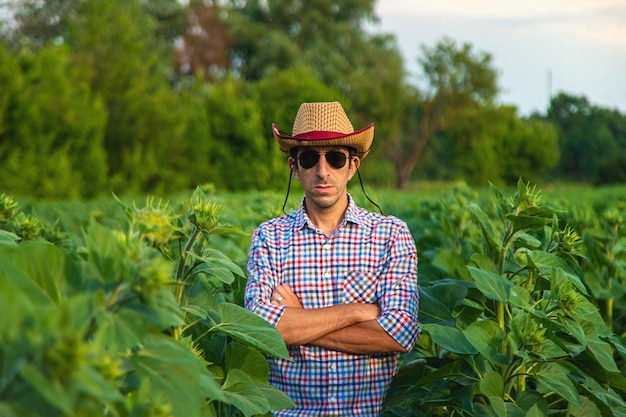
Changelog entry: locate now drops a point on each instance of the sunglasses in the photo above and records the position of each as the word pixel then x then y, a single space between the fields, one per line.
pixel 336 159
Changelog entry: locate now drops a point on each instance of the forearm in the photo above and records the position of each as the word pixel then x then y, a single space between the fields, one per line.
pixel 299 326
pixel 362 338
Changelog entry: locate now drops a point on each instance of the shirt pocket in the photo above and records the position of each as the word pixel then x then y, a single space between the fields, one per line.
pixel 359 287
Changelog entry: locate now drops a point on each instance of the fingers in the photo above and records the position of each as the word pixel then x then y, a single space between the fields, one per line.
pixel 284 295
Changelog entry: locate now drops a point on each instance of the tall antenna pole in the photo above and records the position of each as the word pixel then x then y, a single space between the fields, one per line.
pixel 549 87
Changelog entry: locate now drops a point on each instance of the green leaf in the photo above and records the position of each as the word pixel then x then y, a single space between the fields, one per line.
pixel 520 297
pixel 492 384
pixel 485 225
pixel 548 262
pixel 174 373
pixel 227 229
pixel 526 240
pixel 535 411
pixel 277 399
pixel 222 274
pixel 89 381
pixel 603 354
pixel 214 263
pixel 533 402
pixel 121 330
pixel 528 222
pixel 555 378
pixel 585 409
pixel 450 338
pixel 498 406
pixel 448 260
pixel 106 252
pixel 437 303
pixel 248 360
pixel 50 389
pixel 487 337
pixel 493 286
pixel 38 268
pixel 8 239
pixel 210 388
pixel 575 329
pixel 248 328
pixel 243 393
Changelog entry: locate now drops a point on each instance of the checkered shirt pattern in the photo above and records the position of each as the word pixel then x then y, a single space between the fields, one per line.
pixel 370 258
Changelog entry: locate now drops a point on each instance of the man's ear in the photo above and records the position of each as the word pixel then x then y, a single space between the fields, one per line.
pixel 355 162
pixel 293 165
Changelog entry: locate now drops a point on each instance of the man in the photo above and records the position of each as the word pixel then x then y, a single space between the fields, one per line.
pixel 338 282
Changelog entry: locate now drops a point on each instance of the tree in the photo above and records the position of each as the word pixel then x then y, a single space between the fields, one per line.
pixel 51 136
pixel 492 144
pixel 589 137
pixel 328 38
pixel 279 34
pixel 237 144
pixel 456 79
pixel 130 72
pixel 204 48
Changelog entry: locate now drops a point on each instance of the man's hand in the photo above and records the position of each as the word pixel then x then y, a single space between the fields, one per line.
pixel 284 295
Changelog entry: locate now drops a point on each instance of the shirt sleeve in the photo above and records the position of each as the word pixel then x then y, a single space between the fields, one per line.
pixel 397 290
pixel 262 279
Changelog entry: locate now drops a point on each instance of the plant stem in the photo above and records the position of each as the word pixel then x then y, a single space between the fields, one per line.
pixel 180 275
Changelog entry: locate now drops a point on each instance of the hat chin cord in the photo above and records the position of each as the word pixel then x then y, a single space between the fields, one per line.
pixel 366 196
pixel 360 182
pixel 288 189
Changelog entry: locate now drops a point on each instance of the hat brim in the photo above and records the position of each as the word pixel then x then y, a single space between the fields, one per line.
pixel 361 140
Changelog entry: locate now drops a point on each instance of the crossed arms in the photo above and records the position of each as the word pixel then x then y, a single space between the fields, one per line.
pixel 350 328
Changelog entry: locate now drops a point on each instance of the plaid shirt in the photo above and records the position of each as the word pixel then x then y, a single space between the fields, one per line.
pixel 369 258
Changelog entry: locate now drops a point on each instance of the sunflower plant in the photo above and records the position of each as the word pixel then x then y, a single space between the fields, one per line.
pixel 511 329
pixel 137 322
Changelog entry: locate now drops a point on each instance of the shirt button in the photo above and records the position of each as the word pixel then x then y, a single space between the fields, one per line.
pixel 333 399
pixel 333 367
pixel 326 247
pixel 327 274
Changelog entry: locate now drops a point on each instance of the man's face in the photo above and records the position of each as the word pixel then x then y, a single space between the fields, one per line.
pixel 323 178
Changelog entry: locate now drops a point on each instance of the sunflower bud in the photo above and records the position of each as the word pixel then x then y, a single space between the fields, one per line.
pixel 204 213
pixel 527 197
pixel 8 208
pixel 569 299
pixel 26 227
pixel 569 241
pixel 156 223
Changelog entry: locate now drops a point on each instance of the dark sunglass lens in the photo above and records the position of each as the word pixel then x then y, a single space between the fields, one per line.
pixel 336 159
pixel 308 159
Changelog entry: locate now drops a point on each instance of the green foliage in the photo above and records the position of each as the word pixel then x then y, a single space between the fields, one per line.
pixel 101 96
pixel 493 144
pixel 458 82
pixel 138 322
pixel 605 263
pixel 509 328
pixel 127 70
pixel 50 143
pixel 238 149
pixel 280 34
pixel 590 138
pixel 518 297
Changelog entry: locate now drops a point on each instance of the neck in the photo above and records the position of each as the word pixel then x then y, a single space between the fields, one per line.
pixel 327 218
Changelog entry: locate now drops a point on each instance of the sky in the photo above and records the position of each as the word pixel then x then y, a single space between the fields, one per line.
pixel 539 47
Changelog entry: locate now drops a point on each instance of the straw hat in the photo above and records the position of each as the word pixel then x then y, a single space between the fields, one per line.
pixel 325 124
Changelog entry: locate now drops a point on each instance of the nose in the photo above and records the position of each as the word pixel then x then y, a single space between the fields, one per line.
pixel 322 166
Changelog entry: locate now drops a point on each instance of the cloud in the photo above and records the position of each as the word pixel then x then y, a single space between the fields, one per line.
pixel 540 47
